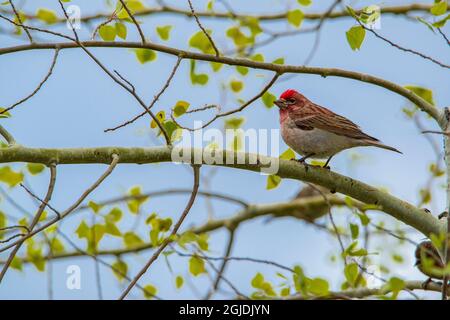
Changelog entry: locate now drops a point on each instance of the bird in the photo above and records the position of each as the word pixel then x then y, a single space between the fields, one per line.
pixel 317 132
pixel 429 261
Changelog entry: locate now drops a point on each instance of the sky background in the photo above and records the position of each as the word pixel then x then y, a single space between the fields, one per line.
pixel 79 101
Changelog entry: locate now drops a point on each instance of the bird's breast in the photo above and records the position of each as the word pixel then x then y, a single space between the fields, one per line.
pixel 320 142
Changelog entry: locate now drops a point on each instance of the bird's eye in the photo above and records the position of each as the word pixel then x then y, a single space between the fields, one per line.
pixel 291 100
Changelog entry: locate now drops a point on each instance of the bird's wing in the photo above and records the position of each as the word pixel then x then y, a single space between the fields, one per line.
pixel 314 116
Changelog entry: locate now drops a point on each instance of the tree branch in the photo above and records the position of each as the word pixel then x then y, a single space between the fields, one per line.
pixel 280 69
pixel 169 238
pixel 396 10
pixel 401 210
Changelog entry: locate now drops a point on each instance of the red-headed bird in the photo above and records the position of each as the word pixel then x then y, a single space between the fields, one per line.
pixel 316 132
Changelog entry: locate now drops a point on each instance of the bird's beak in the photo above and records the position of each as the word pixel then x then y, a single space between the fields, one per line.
pixel 280 103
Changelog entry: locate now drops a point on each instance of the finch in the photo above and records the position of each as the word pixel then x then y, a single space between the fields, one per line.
pixel 316 132
pixel 428 260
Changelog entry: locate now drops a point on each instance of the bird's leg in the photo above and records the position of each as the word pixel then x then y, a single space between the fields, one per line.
pixel 326 166
pixel 426 283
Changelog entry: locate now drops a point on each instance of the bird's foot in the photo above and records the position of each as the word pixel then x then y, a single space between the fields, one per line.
pixel 326 167
pixel 426 283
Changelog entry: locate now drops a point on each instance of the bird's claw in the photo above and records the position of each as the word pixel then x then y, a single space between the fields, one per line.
pixel 426 283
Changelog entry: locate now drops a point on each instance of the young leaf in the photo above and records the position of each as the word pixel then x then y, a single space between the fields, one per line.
pixel 107 32
pixel 295 17
pixel 196 265
pixel 164 32
pixel 355 37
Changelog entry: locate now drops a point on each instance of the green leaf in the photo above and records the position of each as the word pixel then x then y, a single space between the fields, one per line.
pixel 355 37
pixel 35 168
pixel 236 85
pixel 304 2
pixel 201 42
pixel 319 287
pixel 234 122
pixel 17 264
pixel 94 206
pixel 202 241
pixel 268 99
pixel 133 5
pixel 354 229
pixel 351 273
pixel 288 154
pixel 196 265
pixel 121 30
pixel 132 240
pixel 278 61
pixel 257 281
pixel 365 220
pixel 397 258
pixel 200 78
pixel 145 55
pixel 82 230
pixel 272 181
pixel 439 8
pixel 395 285
pixel 257 57
pixel 120 269
pixel 161 116
pixel 179 281
pixel 107 32
pixel 150 291
pixel 295 17
pixel 57 246
pixel 114 215
pixel 164 32
pixel 10 177
pixel 47 16
pixel 242 70
pixel 441 23
pixel 135 204
pixel 422 92
pixel 180 108
pixel 4 114
pixel 111 228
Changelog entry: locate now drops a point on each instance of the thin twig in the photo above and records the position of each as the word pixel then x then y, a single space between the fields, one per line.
pixel 62 215
pixel 117 80
pixel 138 27
pixel 376 34
pixel 155 99
pixel 203 29
pixel 222 267
pixel 19 19
pixel 168 239
pixel 444 36
pixel 34 222
pixel 8 136
pixel 49 73
pixel 227 113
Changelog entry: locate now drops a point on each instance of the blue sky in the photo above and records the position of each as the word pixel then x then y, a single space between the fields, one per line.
pixel 79 101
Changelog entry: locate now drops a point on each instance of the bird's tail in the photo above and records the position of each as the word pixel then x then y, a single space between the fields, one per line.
pixel 383 146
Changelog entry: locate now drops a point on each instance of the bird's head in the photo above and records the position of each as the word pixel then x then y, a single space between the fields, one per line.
pixel 290 99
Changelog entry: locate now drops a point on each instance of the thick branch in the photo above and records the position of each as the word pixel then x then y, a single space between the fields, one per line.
pixel 361 293
pixel 397 10
pixel 401 210
pixel 309 209
pixel 279 69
